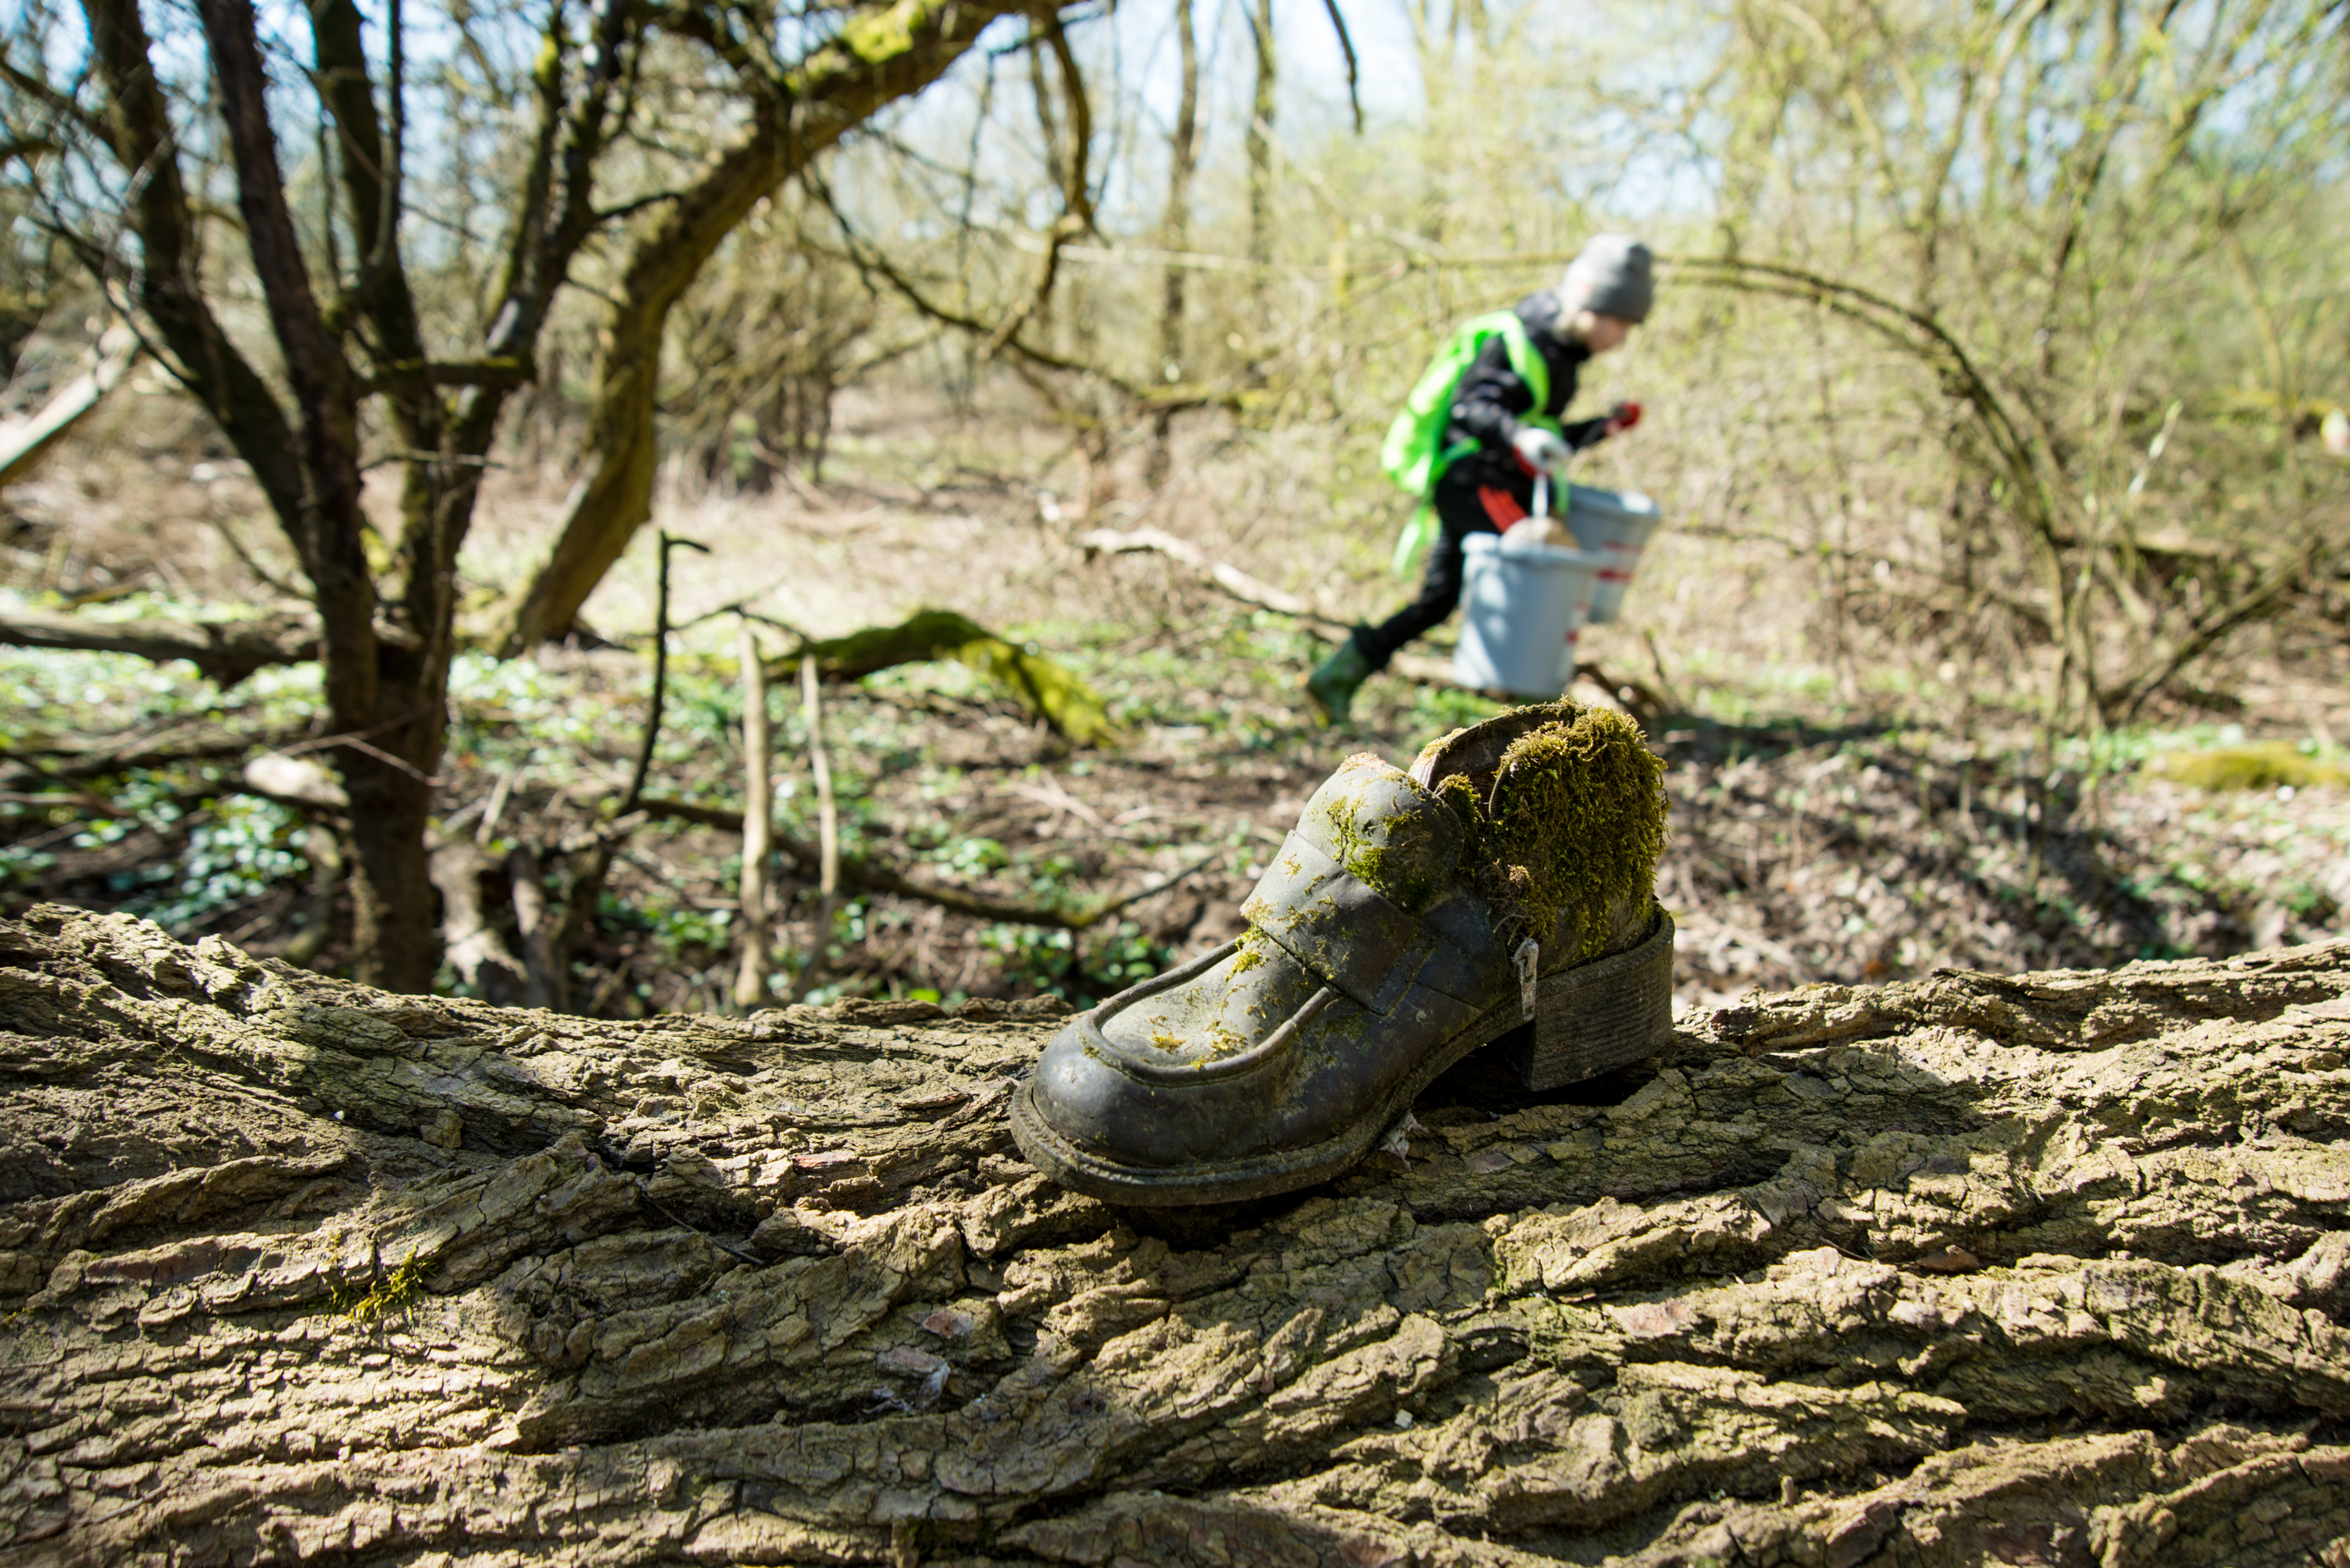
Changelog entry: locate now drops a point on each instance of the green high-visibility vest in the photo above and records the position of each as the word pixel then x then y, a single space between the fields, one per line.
pixel 1414 454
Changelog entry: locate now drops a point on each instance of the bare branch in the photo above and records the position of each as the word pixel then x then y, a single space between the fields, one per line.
pixel 1347 47
pixel 226 652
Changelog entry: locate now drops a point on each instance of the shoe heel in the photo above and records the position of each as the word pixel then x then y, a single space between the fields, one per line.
pixel 1602 1015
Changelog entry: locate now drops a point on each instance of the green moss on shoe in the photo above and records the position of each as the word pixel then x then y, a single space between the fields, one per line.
pixel 1459 795
pixel 1407 855
pixel 1572 825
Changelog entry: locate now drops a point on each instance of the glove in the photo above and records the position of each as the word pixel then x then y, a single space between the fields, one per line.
pixel 1621 418
pixel 1540 450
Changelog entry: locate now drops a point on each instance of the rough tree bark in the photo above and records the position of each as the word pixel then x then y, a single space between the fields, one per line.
pixel 2036 1270
pixel 884 54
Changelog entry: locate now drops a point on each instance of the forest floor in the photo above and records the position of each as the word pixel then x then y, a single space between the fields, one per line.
pixel 1820 831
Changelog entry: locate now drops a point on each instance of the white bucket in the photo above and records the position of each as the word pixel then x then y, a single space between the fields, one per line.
pixel 1521 605
pixel 1617 527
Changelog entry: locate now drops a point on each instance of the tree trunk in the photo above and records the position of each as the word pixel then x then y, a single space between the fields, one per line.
pixel 386 703
pixel 843 86
pixel 1182 148
pixel 2045 1269
pixel 385 658
pixel 1260 149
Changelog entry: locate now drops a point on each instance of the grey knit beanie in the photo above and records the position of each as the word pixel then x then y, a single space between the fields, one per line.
pixel 1612 274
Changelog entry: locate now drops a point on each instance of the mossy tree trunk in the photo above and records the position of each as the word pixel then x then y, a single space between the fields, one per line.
pixel 885 54
pixel 2047 1269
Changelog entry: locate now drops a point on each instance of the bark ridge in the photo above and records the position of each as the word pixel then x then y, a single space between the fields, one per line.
pixel 2049 1269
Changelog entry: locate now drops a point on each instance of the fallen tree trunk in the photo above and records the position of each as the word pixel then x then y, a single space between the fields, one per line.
pixel 226 652
pixel 2047 1270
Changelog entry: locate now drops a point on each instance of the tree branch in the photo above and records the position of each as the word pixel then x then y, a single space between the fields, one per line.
pixel 138 128
pixel 2256 600
pixel 315 370
pixel 1222 575
pixel 1347 47
pixel 22 442
pixel 226 652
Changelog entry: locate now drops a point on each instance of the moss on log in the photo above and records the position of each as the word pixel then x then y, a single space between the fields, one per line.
pixel 2042 1269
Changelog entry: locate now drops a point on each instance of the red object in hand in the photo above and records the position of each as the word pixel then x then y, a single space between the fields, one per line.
pixel 1622 418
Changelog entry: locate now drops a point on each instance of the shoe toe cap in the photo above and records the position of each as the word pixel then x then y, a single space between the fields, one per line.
pixel 1098 1107
pixel 1088 1100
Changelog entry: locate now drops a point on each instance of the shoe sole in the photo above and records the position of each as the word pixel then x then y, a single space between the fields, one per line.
pixel 1588 1020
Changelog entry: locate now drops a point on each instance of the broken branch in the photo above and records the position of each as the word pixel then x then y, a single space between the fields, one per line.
pixel 1226 577
pixel 224 652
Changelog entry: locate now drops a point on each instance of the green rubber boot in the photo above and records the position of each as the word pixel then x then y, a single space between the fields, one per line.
pixel 1334 685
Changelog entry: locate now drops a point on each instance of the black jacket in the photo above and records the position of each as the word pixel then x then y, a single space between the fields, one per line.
pixel 1491 397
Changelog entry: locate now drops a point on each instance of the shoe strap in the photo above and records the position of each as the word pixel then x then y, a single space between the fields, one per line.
pixel 1338 926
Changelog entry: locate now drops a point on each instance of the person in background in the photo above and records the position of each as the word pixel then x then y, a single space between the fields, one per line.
pixel 1473 455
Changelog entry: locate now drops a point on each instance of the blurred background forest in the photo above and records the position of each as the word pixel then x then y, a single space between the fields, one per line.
pixel 1010 380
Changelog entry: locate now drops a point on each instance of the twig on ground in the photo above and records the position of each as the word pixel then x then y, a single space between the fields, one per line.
pixel 1221 576
pixel 828 819
pixel 758 824
pixel 1236 584
pixel 499 791
pixel 645 1197
pixel 668 541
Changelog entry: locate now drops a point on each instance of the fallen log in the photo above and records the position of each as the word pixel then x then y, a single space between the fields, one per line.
pixel 86 757
pixel 1073 709
pixel 2046 1270
pixel 224 652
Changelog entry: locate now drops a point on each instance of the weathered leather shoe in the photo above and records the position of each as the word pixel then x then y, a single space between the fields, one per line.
pixel 1407 919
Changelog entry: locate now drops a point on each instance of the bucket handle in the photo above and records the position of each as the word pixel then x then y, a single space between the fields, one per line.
pixel 1541 495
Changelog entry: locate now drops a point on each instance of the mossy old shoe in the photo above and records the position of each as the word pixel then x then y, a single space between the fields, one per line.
pixel 1407 919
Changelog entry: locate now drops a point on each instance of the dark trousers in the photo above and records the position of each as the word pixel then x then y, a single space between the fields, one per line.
pixel 1462 508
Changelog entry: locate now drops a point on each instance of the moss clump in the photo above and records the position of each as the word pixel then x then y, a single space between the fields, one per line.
pixel 1386 837
pixel 391 1295
pixel 1066 703
pixel 1459 795
pixel 2263 765
pixel 1572 828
